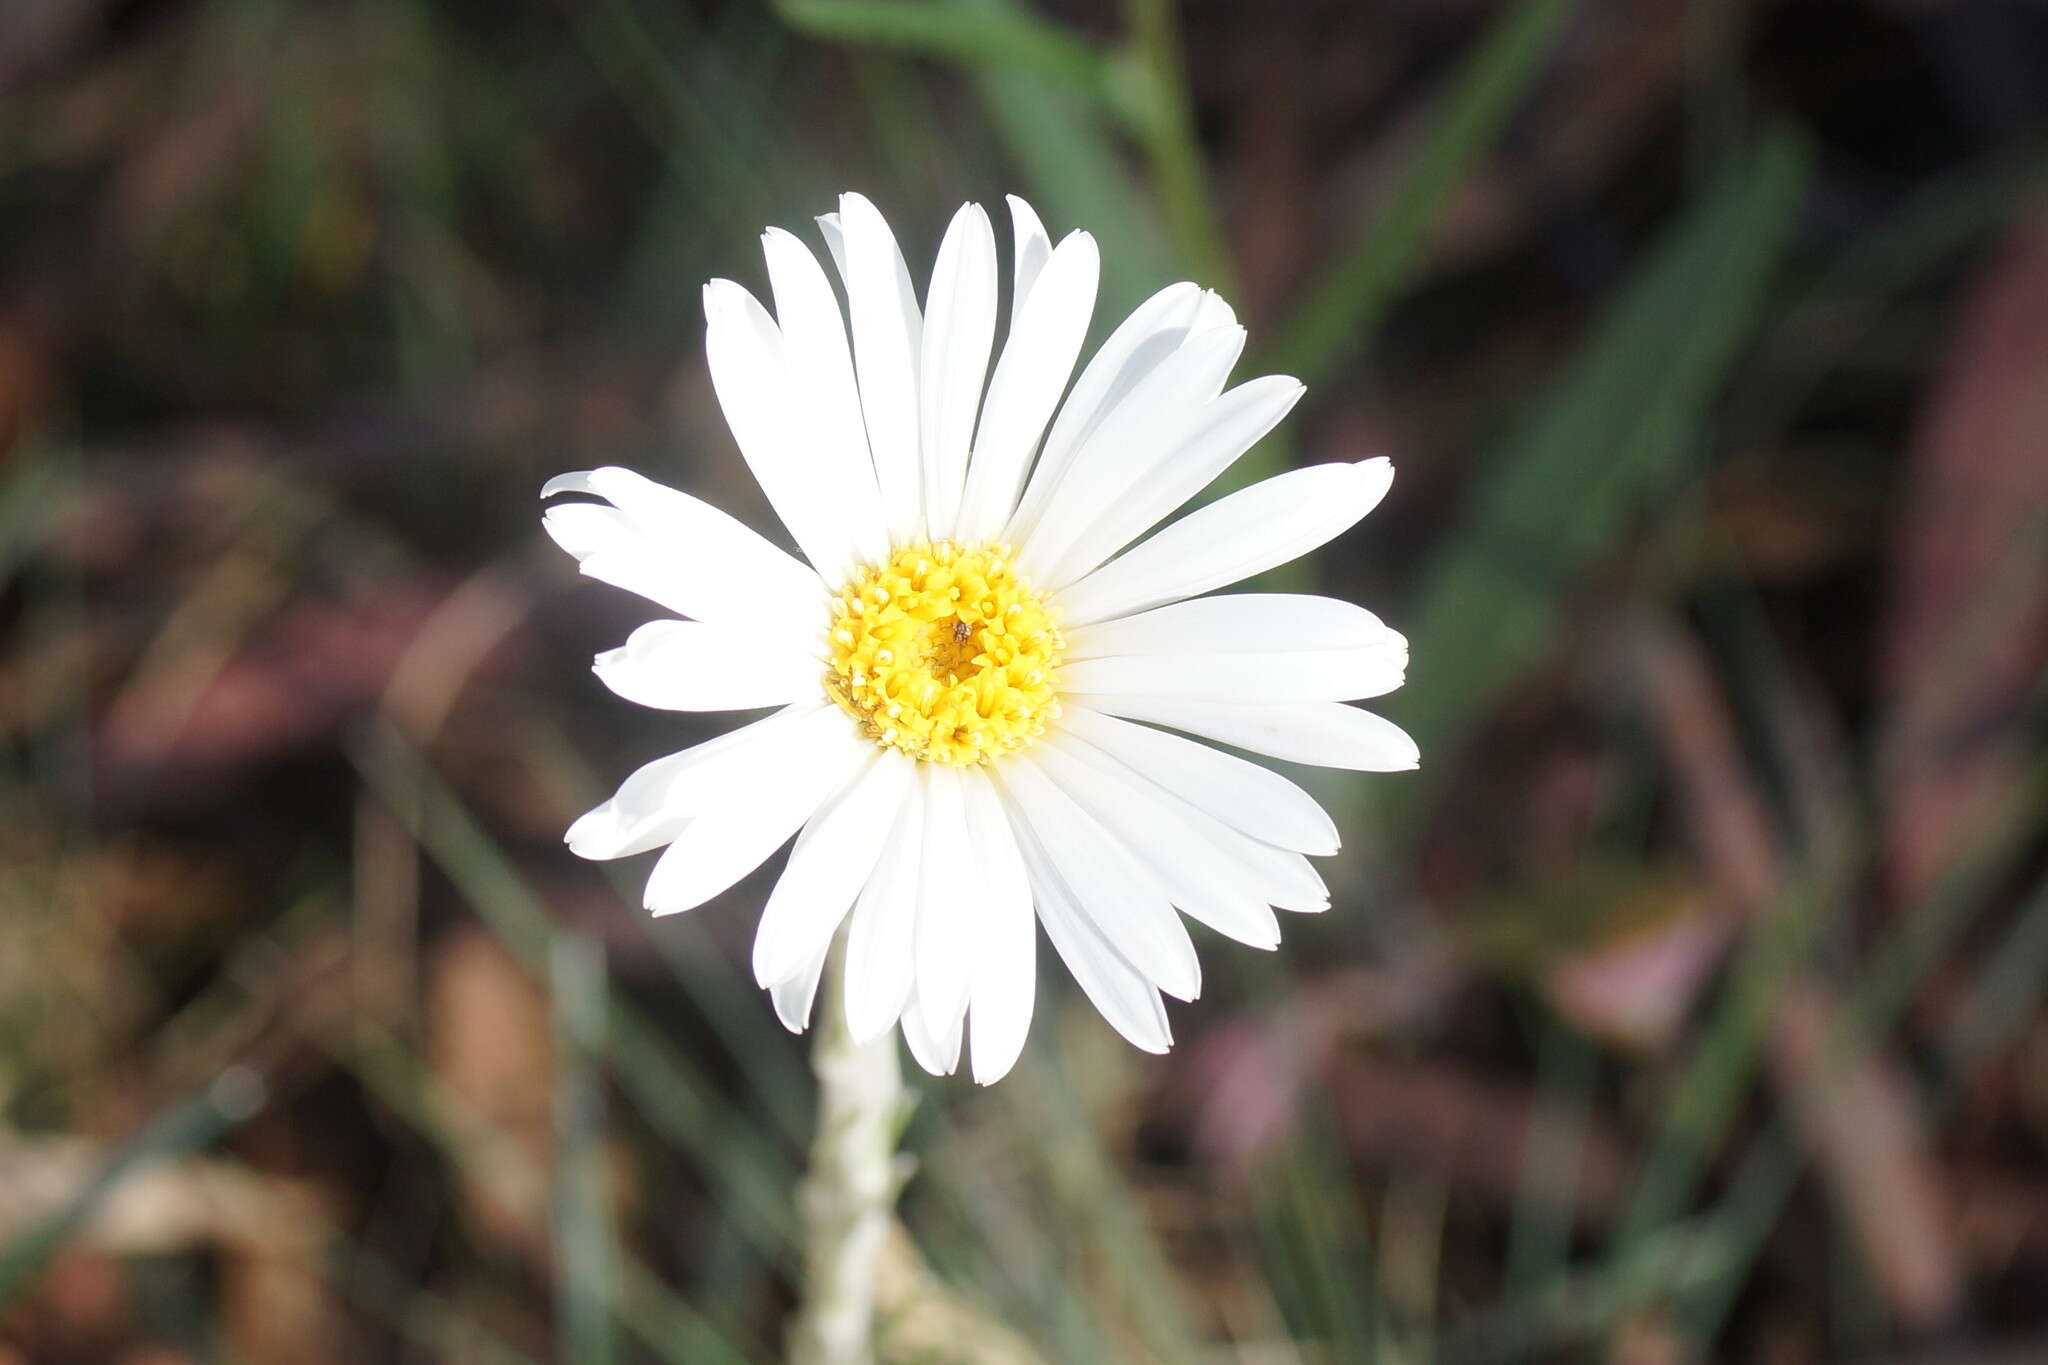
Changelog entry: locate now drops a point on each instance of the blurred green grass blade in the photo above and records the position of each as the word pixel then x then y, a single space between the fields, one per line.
pixel 30 497
pixel 1710 1088
pixel 1561 493
pixel 228 1100
pixel 1315 1248
pixel 1703 1262
pixel 1540 1235
pixel 673 1329
pixel 390 1069
pixel 1097 1204
pixel 1843 305
pixel 722 989
pixel 933 28
pixel 978 1232
pixel 1077 175
pixel 1054 99
pixel 1578 1309
pixel 2013 982
pixel 1078 180
pixel 585 1242
pixel 920 149
pixel 724 157
pixel 418 1314
pixel 750 1179
pixel 1877 1000
pixel 1163 113
pixel 1343 306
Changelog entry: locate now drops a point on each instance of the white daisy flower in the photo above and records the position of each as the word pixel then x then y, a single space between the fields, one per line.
pixel 969 670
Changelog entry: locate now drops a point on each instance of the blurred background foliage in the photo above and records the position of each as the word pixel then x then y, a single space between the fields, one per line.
pixel 1686 1006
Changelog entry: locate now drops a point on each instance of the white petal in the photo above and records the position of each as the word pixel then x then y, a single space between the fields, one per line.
pixel 935 1045
pixel 959 334
pixel 1204 882
pixel 1226 429
pixel 771 422
pixel 949 901
pixel 1119 991
pixel 698 666
pixel 1165 409
pixel 1231 539
pixel 823 393
pixel 1327 734
pixel 831 862
pixel 1110 886
pixel 1247 797
pixel 1038 359
pixel 1212 311
pixel 1233 862
pixel 1153 331
pixel 653 804
pixel 835 240
pixel 887 341
pixel 793 998
pixel 1034 247
pixel 1303 675
pixel 681 552
pixel 1248 623
pixel 1294 879
pixel 883 937
pixel 736 832
pixel 1006 943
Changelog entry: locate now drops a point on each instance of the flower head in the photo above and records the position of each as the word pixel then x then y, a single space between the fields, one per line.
pixel 977 674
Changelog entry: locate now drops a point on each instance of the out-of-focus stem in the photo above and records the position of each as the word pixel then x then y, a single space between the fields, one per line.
pixel 848 1195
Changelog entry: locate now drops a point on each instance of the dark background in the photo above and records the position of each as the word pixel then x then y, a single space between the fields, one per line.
pixel 1687 1005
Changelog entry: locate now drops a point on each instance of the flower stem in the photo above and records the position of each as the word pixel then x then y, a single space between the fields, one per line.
pixel 848 1195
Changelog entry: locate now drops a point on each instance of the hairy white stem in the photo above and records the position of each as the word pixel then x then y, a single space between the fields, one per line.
pixel 848 1196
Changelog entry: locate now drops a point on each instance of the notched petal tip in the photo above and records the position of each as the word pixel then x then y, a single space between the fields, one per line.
pixel 577 481
pixel 854 204
pixel 772 969
pixel 721 297
pixel 1375 477
pixel 592 833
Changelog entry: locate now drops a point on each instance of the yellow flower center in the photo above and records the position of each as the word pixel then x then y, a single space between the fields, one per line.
pixel 944 653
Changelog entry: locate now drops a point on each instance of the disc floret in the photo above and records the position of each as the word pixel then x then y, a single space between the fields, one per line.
pixel 942 651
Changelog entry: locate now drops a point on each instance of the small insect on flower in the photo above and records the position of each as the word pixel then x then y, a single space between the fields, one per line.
pixel 984 670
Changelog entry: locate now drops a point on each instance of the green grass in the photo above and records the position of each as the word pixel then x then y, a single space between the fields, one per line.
pixel 537 205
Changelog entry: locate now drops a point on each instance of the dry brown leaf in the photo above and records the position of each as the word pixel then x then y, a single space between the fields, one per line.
pixel 1859 1115
pixel 1967 644
pixel 1638 989
pixel 489 1040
